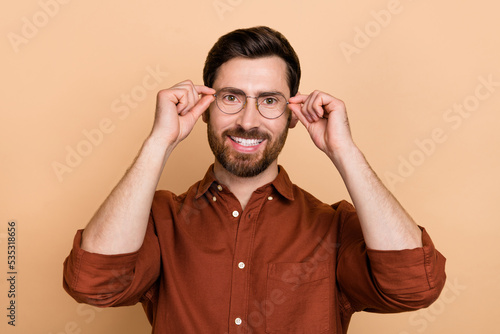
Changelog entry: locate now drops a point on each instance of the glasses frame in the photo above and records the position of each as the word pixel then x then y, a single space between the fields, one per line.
pixel 245 103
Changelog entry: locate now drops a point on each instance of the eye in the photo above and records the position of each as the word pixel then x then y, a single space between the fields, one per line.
pixel 269 101
pixel 230 98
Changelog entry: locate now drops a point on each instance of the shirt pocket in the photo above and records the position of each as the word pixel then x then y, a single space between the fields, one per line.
pixel 303 305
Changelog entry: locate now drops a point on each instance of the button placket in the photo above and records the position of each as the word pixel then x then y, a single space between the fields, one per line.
pixel 245 233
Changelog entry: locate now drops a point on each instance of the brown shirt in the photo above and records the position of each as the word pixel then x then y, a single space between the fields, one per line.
pixel 288 263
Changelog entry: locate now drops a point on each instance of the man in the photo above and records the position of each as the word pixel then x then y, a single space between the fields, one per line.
pixel 244 250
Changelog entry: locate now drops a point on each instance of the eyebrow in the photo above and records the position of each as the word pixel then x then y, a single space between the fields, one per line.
pixel 262 93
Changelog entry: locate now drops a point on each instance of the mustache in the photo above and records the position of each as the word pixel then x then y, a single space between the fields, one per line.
pixel 250 134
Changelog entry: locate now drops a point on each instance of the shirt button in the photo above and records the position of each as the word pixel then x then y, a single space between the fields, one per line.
pixel 241 265
pixel 270 198
pixel 237 321
pixel 214 198
pixel 235 213
pixel 219 187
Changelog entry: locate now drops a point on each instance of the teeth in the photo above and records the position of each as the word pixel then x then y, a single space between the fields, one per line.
pixel 247 142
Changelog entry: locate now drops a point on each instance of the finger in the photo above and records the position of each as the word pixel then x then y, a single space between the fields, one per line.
pixel 184 101
pixel 192 97
pixel 334 104
pixel 178 95
pixel 320 103
pixel 200 107
pixel 318 106
pixel 298 99
pixel 297 111
pixel 301 100
pixel 194 94
pixel 308 106
pixel 204 90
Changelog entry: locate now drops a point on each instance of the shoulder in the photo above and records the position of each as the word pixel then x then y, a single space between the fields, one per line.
pixel 167 198
pixel 304 197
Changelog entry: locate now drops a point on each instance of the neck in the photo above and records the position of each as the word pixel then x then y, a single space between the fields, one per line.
pixel 243 187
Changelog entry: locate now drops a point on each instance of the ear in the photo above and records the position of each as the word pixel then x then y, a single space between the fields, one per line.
pixel 293 120
pixel 206 115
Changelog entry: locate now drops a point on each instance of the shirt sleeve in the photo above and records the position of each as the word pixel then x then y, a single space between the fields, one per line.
pixel 386 281
pixel 113 280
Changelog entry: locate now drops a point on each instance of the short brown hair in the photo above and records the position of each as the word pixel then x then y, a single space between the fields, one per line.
pixel 251 43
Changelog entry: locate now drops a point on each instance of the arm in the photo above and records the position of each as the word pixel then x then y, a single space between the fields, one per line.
pixel 395 280
pixel 384 222
pixel 119 225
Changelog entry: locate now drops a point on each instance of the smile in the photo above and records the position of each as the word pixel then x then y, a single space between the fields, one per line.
pixel 246 142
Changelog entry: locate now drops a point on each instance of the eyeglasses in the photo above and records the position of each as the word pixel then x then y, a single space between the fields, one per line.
pixel 232 100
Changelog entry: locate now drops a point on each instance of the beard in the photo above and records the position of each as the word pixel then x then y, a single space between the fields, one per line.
pixel 245 164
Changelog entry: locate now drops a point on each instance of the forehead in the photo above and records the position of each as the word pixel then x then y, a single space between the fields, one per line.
pixel 253 76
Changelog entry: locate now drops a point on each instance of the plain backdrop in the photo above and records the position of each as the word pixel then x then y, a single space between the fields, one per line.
pixel 420 78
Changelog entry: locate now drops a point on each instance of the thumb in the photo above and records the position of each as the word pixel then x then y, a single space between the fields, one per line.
pixel 200 107
pixel 297 112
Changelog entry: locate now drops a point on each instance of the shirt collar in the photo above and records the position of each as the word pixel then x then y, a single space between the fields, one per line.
pixel 206 182
pixel 281 183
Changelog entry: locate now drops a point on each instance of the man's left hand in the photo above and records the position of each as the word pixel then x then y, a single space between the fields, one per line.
pixel 325 118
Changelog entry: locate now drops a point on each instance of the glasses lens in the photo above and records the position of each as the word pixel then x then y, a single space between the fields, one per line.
pixel 229 101
pixel 272 105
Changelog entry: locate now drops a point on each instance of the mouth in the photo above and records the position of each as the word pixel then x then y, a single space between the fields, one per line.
pixel 246 142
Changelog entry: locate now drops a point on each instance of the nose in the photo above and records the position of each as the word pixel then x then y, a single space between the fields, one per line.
pixel 249 117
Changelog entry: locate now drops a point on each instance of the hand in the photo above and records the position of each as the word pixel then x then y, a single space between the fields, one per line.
pixel 177 110
pixel 325 118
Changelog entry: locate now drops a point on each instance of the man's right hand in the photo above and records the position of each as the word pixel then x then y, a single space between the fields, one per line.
pixel 119 225
pixel 177 110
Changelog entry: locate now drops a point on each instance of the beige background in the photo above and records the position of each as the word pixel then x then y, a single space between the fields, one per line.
pixel 65 76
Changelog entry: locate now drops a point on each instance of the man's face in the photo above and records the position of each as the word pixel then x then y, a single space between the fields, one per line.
pixel 246 143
